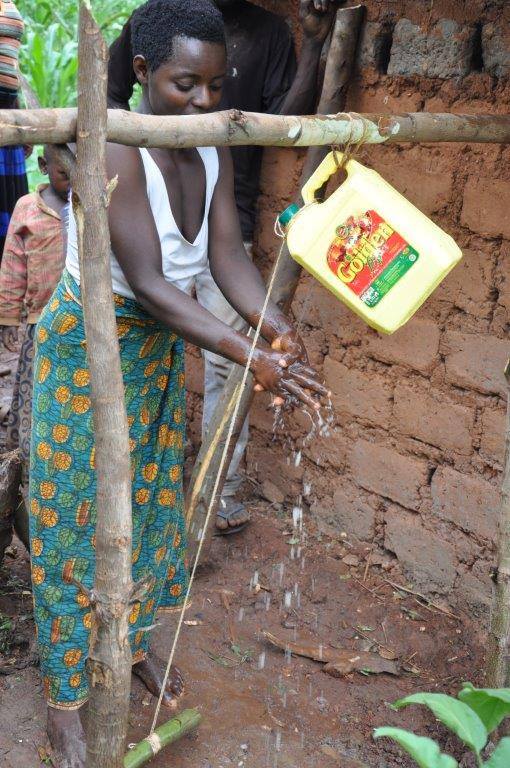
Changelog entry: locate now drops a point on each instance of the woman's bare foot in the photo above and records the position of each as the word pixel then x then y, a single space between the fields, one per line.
pixel 151 672
pixel 67 738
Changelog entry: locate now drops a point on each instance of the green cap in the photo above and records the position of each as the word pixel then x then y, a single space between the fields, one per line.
pixel 286 215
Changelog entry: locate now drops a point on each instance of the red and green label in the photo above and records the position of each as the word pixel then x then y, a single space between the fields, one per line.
pixel 369 257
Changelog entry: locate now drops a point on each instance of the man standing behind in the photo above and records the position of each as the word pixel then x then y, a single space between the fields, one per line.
pixel 263 76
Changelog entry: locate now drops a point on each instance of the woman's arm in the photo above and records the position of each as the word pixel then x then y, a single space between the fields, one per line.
pixel 136 245
pixel 234 272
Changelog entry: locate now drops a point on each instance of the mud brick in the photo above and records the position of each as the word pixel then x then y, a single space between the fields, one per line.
pixel 267 243
pixel 485 206
pixel 496 49
pixel 503 275
pixel 388 473
pixel 446 52
pixel 268 463
pixel 279 172
pixel 378 99
pixel 345 513
pixel 468 286
pixel 318 307
pixel 434 420
pixel 358 393
pixel 492 443
pixel 476 361
pixel 427 560
pixel 330 450
pixel 427 190
pixel 468 501
pixel 374 44
pixel 474 595
pixel 416 345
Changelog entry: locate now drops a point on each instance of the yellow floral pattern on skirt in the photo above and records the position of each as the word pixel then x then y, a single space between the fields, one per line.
pixel 63 482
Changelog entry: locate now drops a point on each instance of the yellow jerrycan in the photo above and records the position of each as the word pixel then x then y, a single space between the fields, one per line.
pixel 368 245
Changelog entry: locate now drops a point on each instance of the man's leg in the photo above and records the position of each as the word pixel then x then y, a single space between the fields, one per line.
pixel 217 369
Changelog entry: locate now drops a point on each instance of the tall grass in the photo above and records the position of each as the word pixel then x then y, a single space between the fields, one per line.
pixel 49 53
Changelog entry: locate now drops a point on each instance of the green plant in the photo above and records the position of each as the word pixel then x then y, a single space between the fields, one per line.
pixel 49 51
pixel 473 716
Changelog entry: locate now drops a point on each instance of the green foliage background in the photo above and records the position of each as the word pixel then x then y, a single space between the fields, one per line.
pixel 48 57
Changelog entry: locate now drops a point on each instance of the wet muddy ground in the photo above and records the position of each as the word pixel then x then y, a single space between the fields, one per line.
pixel 261 709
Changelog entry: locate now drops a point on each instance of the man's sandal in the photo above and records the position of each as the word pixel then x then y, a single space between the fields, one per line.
pixel 227 512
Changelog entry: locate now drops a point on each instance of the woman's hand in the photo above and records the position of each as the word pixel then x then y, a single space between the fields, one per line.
pixel 9 336
pixel 284 376
pixel 292 344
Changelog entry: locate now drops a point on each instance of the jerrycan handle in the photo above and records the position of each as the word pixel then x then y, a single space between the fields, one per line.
pixel 326 169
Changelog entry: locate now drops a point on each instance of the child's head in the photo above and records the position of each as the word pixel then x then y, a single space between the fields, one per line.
pixel 57 176
pixel 179 55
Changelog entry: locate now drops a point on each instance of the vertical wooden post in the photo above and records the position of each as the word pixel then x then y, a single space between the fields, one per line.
pixel 498 651
pixel 333 99
pixel 109 664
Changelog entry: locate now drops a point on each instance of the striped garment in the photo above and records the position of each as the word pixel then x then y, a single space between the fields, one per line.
pixel 33 259
pixel 11 32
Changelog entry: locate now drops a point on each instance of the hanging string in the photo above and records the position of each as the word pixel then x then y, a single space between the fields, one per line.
pixel 350 149
pixel 215 488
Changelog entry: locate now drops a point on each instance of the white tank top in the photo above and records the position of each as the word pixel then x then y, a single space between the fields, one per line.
pixel 181 261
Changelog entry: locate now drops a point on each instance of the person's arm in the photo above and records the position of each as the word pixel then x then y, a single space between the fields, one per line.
pixel 242 285
pixel 13 285
pixel 136 245
pixel 300 97
pixel 121 77
pixel 233 271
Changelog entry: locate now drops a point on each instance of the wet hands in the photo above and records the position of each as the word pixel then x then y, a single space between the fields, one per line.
pixel 9 337
pixel 285 371
pixel 317 17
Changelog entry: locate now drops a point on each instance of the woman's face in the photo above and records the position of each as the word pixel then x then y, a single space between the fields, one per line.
pixel 190 83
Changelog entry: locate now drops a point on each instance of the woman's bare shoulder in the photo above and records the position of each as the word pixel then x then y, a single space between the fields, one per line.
pixel 124 162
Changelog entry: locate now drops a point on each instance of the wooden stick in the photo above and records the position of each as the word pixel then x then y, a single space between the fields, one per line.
pixel 338 67
pixel 109 662
pixel 166 734
pixel 498 652
pixel 235 128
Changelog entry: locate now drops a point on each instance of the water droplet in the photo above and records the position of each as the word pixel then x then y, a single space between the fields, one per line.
pixel 288 599
pixel 262 660
pixel 297 459
pixel 278 741
pixel 240 616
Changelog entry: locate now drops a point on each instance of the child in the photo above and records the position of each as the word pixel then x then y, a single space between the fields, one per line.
pixel 31 268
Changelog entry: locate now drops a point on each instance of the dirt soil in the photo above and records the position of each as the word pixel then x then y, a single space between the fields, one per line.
pixel 261 709
pixel 285 714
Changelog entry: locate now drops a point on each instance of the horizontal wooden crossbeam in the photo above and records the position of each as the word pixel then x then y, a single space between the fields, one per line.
pixel 234 128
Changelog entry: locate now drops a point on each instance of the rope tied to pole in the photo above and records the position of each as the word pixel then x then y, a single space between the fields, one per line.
pixel 215 489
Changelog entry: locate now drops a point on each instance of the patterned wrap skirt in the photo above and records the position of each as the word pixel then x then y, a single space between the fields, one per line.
pixel 63 482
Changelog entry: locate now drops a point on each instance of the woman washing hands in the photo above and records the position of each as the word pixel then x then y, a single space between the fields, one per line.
pixel 172 214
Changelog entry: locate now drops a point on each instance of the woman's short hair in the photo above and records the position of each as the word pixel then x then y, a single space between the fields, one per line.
pixel 155 25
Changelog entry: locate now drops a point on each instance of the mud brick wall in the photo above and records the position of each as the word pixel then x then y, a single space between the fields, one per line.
pixel 414 460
